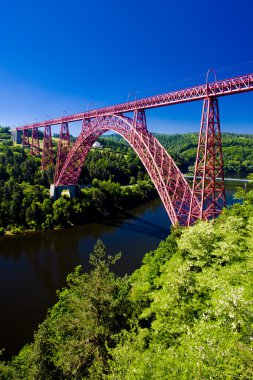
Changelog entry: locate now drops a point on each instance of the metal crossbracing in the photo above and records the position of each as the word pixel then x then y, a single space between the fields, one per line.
pixel 47 152
pixel 35 145
pixel 170 183
pixel 184 203
pixel 208 184
pixel 224 87
pixel 63 149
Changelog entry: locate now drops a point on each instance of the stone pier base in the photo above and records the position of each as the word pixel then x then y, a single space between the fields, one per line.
pixel 16 136
pixel 70 191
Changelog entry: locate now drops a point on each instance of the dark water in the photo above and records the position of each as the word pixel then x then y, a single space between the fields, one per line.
pixel 34 265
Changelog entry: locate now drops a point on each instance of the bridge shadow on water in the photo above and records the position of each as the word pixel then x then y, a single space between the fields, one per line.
pixel 140 225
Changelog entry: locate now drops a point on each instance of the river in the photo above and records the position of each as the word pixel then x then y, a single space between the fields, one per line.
pixel 34 265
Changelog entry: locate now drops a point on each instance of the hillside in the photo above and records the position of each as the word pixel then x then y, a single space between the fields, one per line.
pixel 237 151
pixel 24 195
pixel 186 313
pixel 24 189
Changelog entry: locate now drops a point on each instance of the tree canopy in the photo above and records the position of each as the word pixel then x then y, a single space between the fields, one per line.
pixel 186 313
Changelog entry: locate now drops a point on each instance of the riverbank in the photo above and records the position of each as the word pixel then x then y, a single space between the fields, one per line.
pixel 126 319
pixel 95 204
pixel 103 200
pixel 34 265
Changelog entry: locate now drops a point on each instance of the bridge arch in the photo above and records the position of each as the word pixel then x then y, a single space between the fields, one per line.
pixel 171 185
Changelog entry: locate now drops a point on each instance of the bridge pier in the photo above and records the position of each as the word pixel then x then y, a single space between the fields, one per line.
pixel 16 136
pixel 70 191
pixel 183 204
pixel 208 190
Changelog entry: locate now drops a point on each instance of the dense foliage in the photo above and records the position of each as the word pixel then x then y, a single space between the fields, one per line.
pixel 117 181
pixel 187 313
pixel 237 151
pixel 117 176
pixel 121 165
pixel 193 298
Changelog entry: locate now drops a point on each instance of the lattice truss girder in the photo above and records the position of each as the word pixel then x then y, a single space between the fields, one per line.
pixel 228 86
pixel 171 185
pixel 47 152
pixel 35 145
pixel 62 149
pixel 25 137
pixel 208 184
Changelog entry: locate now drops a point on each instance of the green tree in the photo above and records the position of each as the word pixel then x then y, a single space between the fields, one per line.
pixel 72 343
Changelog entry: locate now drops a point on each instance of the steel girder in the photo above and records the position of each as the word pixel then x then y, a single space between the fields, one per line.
pixel 63 149
pixel 208 195
pixel 35 145
pixel 208 183
pixel 25 137
pixel 223 87
pixel 171 185
pixel 47 152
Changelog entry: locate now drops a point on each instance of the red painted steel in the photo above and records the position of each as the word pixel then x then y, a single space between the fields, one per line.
pixel 35 145
pixel 25 137
pixel 209 191
pixel 183 205
pixel 62 150
pixel 47 153
pixel 230 86
pixel 171 185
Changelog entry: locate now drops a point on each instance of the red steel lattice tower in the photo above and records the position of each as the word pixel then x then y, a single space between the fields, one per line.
pixel 183 204
pixel 35 146
pixel 63 149
pixel 47 153
pixel 25 137
pixel 208 183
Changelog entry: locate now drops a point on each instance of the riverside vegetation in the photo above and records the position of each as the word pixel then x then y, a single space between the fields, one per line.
pixel 117 176
pixel 118 182
pixel 186 313
pixel 237 151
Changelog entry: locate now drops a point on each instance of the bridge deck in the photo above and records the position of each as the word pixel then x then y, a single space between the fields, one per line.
pixel 224 87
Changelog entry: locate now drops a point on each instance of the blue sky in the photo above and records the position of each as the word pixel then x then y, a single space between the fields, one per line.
pixel 61 57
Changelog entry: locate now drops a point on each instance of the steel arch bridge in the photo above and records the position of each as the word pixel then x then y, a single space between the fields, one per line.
pixel 171 185
pixel 184 204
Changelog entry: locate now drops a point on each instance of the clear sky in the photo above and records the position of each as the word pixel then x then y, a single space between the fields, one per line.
pixel 59 57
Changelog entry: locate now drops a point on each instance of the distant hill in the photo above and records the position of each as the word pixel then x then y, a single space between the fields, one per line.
pixel 237 150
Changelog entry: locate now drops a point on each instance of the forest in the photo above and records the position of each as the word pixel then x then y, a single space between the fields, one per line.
pixel 237 151
pixel 112 180
pixel 186 313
